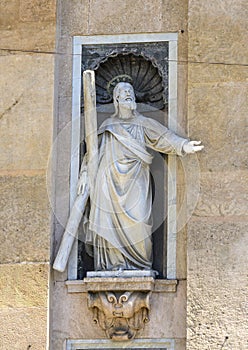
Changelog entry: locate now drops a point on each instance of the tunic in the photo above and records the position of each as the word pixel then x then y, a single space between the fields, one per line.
pixel 120 222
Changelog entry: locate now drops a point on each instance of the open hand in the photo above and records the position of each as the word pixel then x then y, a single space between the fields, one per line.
pixel 192 146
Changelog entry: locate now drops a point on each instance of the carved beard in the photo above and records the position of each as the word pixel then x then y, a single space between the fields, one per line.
pixel 128 105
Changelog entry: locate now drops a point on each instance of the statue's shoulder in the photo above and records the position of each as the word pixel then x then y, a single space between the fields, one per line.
pixel 139 116
pixel 140 119
pixel 106 125
pixel 145 121
pixel 151 125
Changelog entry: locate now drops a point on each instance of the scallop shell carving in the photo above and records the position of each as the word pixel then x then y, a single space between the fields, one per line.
pixel 142 74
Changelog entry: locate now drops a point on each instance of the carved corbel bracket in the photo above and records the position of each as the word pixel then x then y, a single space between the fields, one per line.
pixel 120 301
pixel 120 314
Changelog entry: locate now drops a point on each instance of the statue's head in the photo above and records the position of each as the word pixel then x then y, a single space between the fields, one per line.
pixel 123 95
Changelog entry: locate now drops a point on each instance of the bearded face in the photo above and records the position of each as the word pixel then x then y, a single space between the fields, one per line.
pixel 125 96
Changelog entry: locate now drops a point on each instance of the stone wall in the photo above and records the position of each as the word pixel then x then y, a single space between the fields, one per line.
pixel 217 233
pixel 212 79
pixel 212 105
pixel 27 36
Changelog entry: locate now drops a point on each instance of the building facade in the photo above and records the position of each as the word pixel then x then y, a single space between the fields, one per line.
pixel 38 307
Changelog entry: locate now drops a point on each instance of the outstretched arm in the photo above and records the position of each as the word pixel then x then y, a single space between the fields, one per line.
pixel 163 140
pixel 192 146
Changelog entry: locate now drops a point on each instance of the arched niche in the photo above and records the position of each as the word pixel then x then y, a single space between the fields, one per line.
pixel 151 90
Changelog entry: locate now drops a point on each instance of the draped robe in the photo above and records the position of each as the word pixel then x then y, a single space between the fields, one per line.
pixel 120 221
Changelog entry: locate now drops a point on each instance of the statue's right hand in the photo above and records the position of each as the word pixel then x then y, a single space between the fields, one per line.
pixel 82 183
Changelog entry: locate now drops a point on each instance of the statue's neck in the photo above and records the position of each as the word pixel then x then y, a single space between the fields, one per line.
pixel 125 113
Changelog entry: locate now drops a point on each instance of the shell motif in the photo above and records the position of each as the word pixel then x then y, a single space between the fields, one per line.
pixel 141 73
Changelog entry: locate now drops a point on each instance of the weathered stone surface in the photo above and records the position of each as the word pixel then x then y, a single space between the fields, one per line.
pixel 181 260
pixel 217 237
pixel 23 285
pixel 215 73
pixel 217 31
pixel 174 15
pixel 74 17
pixel 217 285
pixel 26 111
pixel 168 314
pixel 180 344
pixel 62 201
pixel 125 16
pixel 25 219
pixel 79 18
pixel 64 68
pixel 181 248
pixel 37 10
pixel 223 194
pixel 71 318
pixel 217 257
pixel 215 267
pixel 23 328
pixel 61 147
pixel 64 116
pixel 182 71
pixel 9 13
pixel 22 37
pixel 59 231
pixel 27 25
pixel 218 117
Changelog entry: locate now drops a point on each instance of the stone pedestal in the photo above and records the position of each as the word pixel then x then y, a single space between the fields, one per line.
pixel 122 273
pixel 120 305
pixel 123 310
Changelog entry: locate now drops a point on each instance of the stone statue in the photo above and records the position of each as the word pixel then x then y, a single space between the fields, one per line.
pixel 115 177
pixel 119 224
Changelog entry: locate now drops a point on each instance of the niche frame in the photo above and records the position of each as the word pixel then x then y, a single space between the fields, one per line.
pixel 78 42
